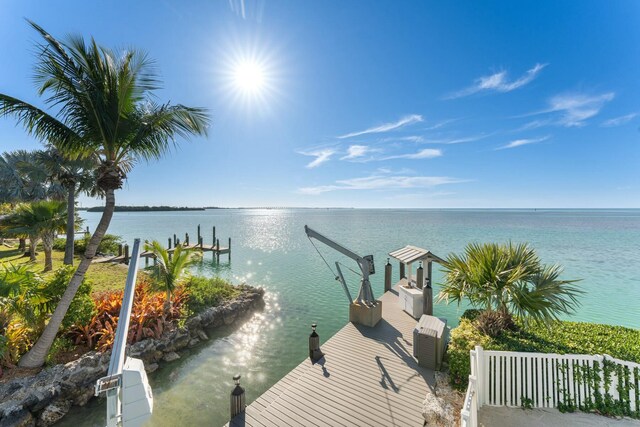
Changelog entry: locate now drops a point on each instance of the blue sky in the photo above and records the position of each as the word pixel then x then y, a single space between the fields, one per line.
pixel 373 104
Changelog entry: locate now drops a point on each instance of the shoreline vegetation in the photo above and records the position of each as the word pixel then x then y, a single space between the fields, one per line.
pixel 145 209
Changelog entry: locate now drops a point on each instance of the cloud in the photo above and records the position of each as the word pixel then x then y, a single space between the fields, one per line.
pixel 321 156
pixel 498 82
pixel 521 142
pixel 572 110
pixel 617 121
pixel 356 151
pixel 381 182
pixel 427 153
pixel 386 127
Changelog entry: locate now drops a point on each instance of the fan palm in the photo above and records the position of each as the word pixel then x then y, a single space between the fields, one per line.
pixel 39 220
pixel 510 280
pixel 170 268
pixel 105 111
pixel 75 176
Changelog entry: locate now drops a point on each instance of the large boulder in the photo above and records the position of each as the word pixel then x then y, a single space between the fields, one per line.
pixel 54 412
pixel 437 412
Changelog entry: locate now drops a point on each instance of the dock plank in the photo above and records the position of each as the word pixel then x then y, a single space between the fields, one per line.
pixel 368 377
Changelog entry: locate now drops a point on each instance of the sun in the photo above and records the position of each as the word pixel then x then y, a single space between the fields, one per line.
pixel 249 77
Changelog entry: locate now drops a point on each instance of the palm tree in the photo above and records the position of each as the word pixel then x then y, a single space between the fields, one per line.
pixel 105 110
pixel 170 268
pixel 75 176
pixel 510 280
pixel 39 220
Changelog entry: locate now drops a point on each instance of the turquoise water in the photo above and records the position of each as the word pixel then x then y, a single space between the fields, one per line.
pixel 270 249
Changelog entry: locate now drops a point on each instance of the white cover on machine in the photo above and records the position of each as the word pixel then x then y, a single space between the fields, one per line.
pixel 137 398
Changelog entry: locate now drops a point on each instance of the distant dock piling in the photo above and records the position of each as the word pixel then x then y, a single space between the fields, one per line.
pixel 173 243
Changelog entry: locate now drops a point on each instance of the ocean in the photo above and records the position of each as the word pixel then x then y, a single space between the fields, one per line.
pixel 601 248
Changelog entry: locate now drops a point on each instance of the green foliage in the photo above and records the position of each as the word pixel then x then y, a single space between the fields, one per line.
pixel 511 279
pixel 60 345
pixel 206 292
pixel 562 338
pixel 108 245
pixel 527 403
pixel 170 267
pixel 82 307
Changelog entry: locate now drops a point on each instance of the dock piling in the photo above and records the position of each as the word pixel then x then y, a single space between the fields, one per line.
pixel 314 345
pixel 387 276
pixel 169 243
pixel 229 253
pixel 427 293
pixel 186 239
pixel 420 276
pixel 126 254
pixel 200 241
pixel 213 242
pixel 237 398
pixel 175 241
pixel 120 251
pixel 402 273
pixel 199 233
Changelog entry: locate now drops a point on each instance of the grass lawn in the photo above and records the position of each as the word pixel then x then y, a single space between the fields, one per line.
pixel 104 276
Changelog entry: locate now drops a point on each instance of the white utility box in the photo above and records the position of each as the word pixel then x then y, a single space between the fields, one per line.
pixel 137 398
pixel 411 300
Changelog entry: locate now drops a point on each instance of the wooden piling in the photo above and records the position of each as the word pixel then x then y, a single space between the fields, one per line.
pixel 427 293
pixel 229 253
pixel 199 233
pixel 218 249
pixel 169 243
pixel 213 242
pixel 314 345
pixel 387 276
pixel 120 251
pixel 237 398
pixel 126 254
pixel 175 241
pixel 420 276
pixel 402 274
pixel 200 241
pixel 186 239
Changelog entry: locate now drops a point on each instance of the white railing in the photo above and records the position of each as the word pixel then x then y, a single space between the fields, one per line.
pixel 539 380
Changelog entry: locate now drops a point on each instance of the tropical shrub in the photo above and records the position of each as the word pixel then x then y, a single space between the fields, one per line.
pixel 510 280
pixel 563 338
pixel 60 345
pixel 206 292
pixel 149 319
pixel 82 306
pixel 108 245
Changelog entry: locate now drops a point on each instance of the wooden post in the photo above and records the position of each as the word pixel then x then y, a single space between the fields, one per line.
pixel 126 254
pixel 387 276
pixel 186 239
pixel 402 275
pixel 120 249
pixel 314 345
pixel 200 242
pixel 420 276
pixel 198 233
pixel 146 261
pixel 175 241
pixel 86 233
pixel 169 243
pixel 229 253
pixel 213 242
pixel 218 249
pixel 427 293
pixel 237 398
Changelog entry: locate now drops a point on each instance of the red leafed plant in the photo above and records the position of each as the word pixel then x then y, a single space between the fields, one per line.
pixel 149 319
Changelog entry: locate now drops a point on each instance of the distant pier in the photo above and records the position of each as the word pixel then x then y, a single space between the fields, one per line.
pixel 173 242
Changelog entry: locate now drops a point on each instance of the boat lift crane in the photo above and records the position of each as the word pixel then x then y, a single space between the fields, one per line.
pixel 129 396
pixel 365 295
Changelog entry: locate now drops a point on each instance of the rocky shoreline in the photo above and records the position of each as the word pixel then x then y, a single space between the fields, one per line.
pixel 43 399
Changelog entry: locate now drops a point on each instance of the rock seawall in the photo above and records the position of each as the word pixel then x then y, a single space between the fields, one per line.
pixel 43 399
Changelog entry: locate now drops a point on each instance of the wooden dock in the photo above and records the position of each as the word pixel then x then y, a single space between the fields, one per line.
pixel 368 377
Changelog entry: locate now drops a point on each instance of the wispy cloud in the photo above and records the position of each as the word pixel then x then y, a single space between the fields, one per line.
pixel 618 121
pixel 521 142
pixel 321 156
pixel 355 152
pixel 573 110
pixel 427 153
pixel 386 127
pixel 498 82
pixel 380 182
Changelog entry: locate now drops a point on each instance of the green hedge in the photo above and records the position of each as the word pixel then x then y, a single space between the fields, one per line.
pixel 562 337
pixel 108 245
pixel 207 292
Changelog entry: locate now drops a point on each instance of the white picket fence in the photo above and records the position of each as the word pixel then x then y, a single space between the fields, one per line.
pixel 539 380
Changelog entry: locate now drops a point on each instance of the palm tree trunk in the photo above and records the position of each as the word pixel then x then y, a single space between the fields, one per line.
pixel 71 229
pixel 33 241
pixel 22 244
pixel 47 245
pixel 35 357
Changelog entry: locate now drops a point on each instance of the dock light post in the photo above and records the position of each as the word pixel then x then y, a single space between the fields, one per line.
pixel 314 345
pixel 387 276
pixel 237 397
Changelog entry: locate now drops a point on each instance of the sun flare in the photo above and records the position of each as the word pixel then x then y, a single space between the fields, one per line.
pixel 248 76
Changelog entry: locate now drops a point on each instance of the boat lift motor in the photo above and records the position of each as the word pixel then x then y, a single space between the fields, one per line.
pixel 129 396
